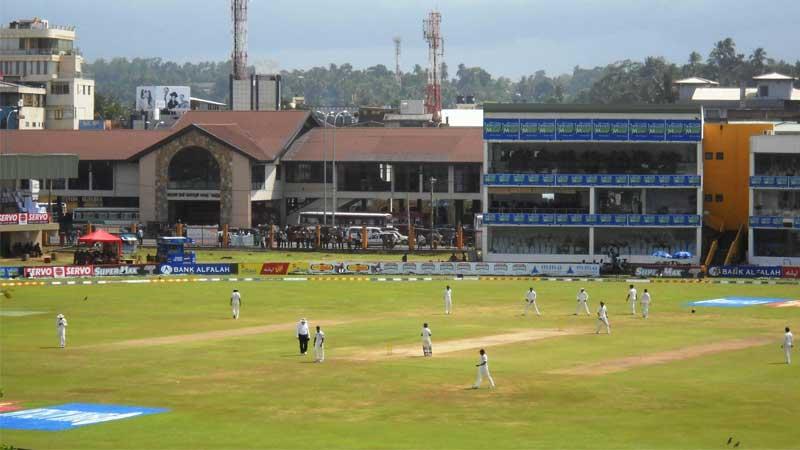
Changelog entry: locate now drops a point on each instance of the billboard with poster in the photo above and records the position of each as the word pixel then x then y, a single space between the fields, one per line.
pixel 166 99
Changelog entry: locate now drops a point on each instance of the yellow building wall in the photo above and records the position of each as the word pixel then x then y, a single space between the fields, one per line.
pixel 726 175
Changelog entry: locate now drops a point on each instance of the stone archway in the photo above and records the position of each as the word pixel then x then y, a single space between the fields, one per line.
pixel 197 139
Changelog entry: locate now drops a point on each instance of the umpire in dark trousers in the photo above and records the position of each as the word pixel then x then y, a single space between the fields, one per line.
pixel 302 336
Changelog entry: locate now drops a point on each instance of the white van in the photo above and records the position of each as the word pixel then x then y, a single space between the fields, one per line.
pixel 373 235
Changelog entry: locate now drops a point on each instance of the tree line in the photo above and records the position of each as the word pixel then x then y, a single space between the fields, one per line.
pixel 627 81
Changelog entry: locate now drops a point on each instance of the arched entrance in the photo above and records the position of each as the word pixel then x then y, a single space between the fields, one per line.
pixel 193 187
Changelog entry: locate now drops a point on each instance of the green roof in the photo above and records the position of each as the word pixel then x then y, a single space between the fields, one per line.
pixel 580 108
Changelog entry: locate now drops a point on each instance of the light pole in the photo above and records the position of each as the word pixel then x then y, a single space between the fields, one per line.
pixel 324 169
pixel 333 162
pixel 433 210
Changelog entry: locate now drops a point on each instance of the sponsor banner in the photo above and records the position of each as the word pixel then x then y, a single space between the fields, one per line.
pixel 574 129
pixel 70 415
pixel 9 406
pixel 125 270
pixel 58 271
pixel 615 220
pixel 789 304
pixel 510 179
pixel 11 272
pixel 472 268
pixel 766 222
pixel 738 302
pixel 593 130
pixel 198 269
pixel 745 271
pixel 790 272
pixel 659 271
pixel 501 129
pixel 24 218
pixel 537 129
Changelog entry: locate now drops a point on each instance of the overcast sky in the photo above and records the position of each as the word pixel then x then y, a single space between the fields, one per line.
pixel 506 37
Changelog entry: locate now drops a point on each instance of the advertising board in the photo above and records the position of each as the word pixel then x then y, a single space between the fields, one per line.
pixel 745 271
pixel 58 271
pixel 24 218
pixel 198 269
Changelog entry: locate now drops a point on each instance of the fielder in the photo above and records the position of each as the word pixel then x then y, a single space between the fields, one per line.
pixel 602 319
pixel 448 300
pixel 236 301
pixel 427 346
pixel 319 346
pixel 483 371
pixel 788 343
pixel 61 330
pixel 583 299
pixel 302 336
pixel 646 304
pixel 632 298
pixel 530 300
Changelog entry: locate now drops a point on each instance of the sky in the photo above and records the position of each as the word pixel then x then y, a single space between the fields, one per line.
pixel 506 37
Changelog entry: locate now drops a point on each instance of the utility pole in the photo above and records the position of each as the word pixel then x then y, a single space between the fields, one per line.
pixel 433 211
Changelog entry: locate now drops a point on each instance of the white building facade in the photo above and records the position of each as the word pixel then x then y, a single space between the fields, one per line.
pixel 774 232
pixel 35 53
pixel 574 183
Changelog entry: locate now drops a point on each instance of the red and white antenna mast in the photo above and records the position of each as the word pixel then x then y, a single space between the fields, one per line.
pixel 239 56
pixel 431 30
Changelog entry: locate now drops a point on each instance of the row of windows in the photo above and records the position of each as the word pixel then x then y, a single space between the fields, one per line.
pixel 23 68
pixel 710 156
pixel 708 198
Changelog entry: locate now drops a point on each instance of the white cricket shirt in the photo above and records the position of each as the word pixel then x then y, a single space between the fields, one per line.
pixel 426 333
pixel 302 328
pixel 646 298
pixel 531 296
pixel 235 297
pixel 583 296
pixel 448 294
pixel 632 294
pixel 788 339
pixel 603 312
pixel 318 338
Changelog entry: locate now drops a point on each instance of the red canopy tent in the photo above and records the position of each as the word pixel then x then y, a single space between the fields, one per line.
pixel 105 238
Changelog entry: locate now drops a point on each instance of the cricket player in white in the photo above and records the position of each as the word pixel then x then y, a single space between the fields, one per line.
pixel 236 301
pixel 646 304
pixel 448 300
pixel 427 345
pixel 530 300
pixel 319 346
pixel 602 319
pixel 302 336
pixel 483 371
pixel 583 299
pixel 632 298
pixel 61 330
pixel 788 343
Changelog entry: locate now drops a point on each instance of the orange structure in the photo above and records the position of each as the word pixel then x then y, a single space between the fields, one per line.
pixel 726 172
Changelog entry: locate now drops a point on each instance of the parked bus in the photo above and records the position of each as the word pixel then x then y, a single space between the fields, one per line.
pixel 346 218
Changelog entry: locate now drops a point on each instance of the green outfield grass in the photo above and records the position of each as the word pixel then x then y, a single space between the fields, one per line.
pixel 255 391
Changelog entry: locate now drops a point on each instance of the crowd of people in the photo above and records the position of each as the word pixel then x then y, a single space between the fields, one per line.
pixel 94 256
pixel 527 159
pixel 542 243
pixel 32 249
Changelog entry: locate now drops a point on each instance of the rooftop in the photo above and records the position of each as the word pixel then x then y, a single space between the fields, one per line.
pixel 432 145
pixel 696 80
pixel 722 94
pixel 589 109
pixel 773 76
